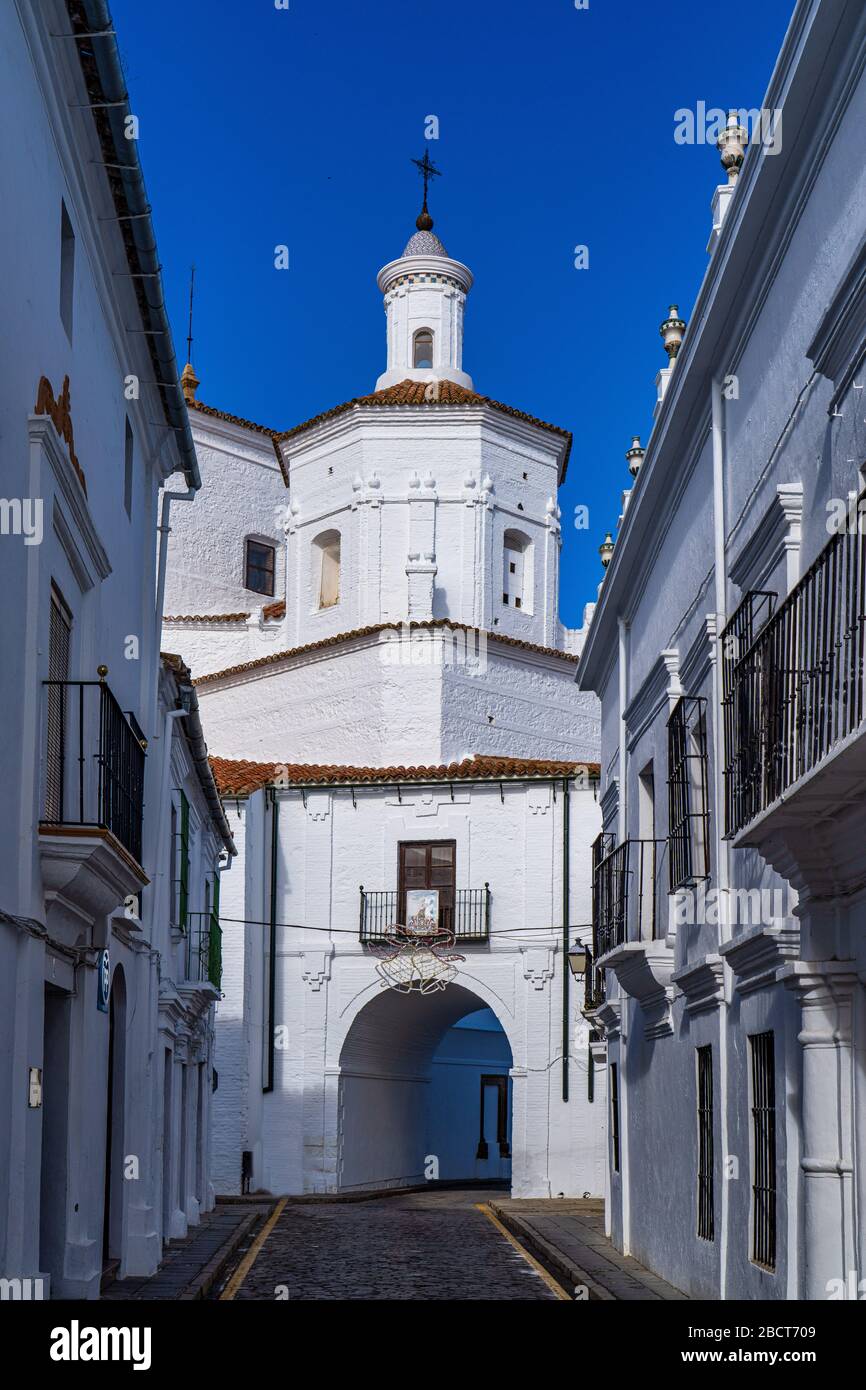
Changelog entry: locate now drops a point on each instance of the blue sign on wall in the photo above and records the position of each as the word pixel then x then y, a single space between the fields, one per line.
pixel 103 984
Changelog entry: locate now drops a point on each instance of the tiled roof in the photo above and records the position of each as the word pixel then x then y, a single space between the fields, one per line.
pixel 270 611
pixel 238 777
pixel 415 393
pixel 247 425
pixel 206 618
pixel 274 657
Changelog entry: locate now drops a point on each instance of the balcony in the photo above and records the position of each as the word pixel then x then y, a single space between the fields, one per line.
pixel 93 798
pixel 628 928
pixel 469 919
pixel 795 752
pixel 204 949
pixel 94 765
pixel 626 891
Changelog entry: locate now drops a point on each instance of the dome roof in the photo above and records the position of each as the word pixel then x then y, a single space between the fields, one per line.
pixel 424 243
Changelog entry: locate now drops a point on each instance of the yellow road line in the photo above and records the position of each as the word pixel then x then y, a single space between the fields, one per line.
pixel 530 1259
pixel 252 1254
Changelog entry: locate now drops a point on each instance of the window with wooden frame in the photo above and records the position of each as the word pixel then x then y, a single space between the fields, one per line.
pixel 762 1048
pixel 259 567
pixel 705 1194
pixel 614 1116
pixel 429 864
pixel 688 799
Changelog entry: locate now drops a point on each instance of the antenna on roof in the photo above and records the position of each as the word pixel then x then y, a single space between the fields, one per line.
pixel 189 334
pixel 188 379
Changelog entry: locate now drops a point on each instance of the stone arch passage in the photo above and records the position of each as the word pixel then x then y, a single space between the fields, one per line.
pixel 396 1106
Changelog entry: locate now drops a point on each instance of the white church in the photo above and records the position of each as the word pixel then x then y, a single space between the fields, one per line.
pixel 369 602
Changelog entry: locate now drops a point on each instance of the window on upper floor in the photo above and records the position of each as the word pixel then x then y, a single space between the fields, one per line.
pixel 67 269
pixel 326 569
pixel 422 348
pixel 180 862
pixel 259 567
pixel 688 801
pixel 59 641
pixel 517 571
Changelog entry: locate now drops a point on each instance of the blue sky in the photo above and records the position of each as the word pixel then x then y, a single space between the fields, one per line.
pixel 556 128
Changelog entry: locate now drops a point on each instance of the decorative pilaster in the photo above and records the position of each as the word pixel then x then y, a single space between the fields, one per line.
pixel 421 565
pixel 827 991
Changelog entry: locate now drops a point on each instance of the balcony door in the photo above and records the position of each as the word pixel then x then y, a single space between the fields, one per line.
pixel 429 864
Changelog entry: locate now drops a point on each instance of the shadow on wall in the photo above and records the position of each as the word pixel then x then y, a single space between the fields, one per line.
pixel 412 1098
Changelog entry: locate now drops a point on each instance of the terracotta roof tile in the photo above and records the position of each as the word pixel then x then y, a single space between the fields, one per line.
pixel 206 618
pixel 275 657
pixel 238 777
pixel 270 611
pixel 414 393
pixel 247 425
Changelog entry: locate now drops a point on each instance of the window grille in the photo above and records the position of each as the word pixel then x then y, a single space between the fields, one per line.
pixel 614 1115
pixel 706 1212
pixel 763 1149
pixel 688 801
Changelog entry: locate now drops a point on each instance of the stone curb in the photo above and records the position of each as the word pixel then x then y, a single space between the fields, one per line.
pixel 207 1277
pixel 569 1275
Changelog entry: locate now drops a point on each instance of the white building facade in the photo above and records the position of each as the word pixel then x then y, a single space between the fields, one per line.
pixel 90 974
pixel 394 709
pixel 727 650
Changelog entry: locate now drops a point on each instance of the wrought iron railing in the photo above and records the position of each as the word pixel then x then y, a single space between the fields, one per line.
pixel 738 638
pixel 593 983
pixel 469 919
pixel 94 762
pixel 626 891
pixel 796 689
pixel 204 948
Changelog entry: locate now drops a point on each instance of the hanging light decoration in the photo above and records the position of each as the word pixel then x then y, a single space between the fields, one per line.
pixel 418 958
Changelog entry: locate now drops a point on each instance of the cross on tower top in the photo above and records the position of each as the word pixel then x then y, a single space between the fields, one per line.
pixel 427 169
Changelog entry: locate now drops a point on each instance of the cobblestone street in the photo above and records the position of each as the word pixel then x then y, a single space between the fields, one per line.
pixel 422 1246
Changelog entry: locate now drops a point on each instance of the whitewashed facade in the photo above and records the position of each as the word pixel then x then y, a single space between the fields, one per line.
pixel 399 687
pixel 727 650
pixel 89 973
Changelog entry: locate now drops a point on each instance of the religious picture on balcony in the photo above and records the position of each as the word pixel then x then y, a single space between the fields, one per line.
pixel 422 910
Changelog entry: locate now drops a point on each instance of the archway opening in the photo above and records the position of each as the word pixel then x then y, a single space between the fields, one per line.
pixel 424 1092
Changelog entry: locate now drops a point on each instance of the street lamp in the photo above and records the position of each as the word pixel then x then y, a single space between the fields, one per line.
pixel 578 959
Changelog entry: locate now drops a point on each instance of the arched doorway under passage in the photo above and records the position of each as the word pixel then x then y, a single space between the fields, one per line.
pixel 416 1086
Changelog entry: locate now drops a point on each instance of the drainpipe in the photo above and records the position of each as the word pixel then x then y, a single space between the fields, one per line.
pixel 272 972
pixel 622 819
pixel 566 912
pixel 163 528
pixel 622 835
pixel 722 847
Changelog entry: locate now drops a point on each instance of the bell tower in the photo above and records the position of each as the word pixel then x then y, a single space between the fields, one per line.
pixel 425 295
